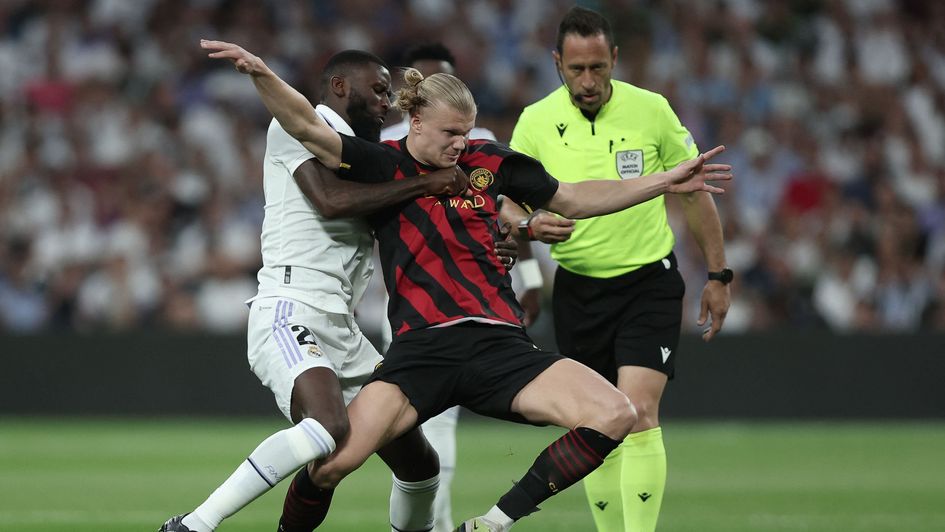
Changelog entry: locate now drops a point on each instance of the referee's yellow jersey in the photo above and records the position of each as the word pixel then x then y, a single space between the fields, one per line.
pixel 635 133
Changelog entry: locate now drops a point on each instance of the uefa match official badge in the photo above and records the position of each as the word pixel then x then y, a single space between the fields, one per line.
pixel 629 163
pixel 480 179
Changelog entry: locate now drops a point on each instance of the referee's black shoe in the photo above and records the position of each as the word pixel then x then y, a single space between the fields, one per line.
pixel 174 525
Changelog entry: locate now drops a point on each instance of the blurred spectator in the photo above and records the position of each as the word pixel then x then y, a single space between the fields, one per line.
pixel 130 165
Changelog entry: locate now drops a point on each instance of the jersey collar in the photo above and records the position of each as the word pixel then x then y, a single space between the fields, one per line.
pixel 334 119
pixel 577 110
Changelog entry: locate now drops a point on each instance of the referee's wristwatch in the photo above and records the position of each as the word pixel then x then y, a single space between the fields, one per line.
pixel 724 276
pixel 525 229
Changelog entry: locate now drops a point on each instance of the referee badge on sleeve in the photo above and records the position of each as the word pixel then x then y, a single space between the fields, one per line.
pixel 629 163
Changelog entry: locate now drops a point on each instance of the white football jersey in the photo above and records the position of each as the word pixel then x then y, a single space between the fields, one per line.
pixel 324 263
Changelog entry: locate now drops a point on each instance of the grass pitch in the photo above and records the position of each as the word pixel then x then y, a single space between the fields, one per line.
pixel 122 475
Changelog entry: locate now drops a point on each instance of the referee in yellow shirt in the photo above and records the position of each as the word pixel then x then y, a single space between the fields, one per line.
pixel 617 291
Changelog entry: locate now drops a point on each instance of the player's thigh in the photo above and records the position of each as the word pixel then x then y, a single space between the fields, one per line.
pixel 378 414
pixel 569 394
pixel 644 386
pixel 287 338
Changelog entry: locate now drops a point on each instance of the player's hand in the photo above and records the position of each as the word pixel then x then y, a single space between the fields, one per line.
pixel 550 228
pixel 245 62
pixel 716 298
pixel 531 304
pixel 450 181
pixel 506 248
pixel 692 175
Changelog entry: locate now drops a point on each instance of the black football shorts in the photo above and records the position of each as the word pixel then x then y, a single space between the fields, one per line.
pixel 633 319
pixel 476 365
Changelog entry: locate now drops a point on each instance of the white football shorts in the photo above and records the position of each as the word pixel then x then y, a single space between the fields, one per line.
pixel 286 337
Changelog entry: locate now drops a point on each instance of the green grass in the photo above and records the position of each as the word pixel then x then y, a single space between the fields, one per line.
pixel 119 475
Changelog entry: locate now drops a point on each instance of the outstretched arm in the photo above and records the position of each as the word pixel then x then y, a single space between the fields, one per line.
pixel 335 197
pixel 291 109
pixel 595 198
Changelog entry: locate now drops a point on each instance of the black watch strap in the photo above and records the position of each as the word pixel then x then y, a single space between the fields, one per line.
pixel 723 276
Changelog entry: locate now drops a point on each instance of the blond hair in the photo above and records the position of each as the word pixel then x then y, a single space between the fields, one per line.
pixel 441 88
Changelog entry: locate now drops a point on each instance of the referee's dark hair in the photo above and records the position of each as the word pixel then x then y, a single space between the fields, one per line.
pixel 341 63
pixel 586 23
pixel 430 51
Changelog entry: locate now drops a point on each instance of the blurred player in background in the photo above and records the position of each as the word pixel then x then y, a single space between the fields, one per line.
pixel 617 296
pixel 440 430
pixel 303 341
pixel 459 333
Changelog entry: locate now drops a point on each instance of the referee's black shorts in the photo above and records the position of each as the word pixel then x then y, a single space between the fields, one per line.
pixel 633 319
pixel 476 365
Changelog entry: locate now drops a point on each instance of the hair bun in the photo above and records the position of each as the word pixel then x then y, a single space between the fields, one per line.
pixel 412 76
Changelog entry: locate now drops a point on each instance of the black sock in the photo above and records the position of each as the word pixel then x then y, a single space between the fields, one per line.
pixel 566 461
pixel 305 506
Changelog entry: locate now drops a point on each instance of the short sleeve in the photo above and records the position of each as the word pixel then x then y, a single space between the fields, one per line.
pixel 522 141
pixel 365 161
pixel 676 143
pixel 285 150
pixel 526 182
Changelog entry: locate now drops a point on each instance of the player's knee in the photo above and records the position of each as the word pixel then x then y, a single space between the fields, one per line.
pixel 616 415
pixel 647 414
pixel 337 426
pixel 422 464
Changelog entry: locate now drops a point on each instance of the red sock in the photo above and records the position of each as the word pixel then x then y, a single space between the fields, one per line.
pixel 305 506
pixel 566 461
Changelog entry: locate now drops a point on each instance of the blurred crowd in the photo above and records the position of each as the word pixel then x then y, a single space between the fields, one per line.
pixel 130 165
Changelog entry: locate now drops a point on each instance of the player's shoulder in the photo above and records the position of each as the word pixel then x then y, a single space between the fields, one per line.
pixel 478 147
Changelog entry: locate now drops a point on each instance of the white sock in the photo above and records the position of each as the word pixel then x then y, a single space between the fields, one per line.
pixel 277 457
pixel 440 431
pixel 498 517
pixel 411 504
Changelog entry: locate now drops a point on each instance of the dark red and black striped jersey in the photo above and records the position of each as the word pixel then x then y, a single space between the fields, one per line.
pixel 438 253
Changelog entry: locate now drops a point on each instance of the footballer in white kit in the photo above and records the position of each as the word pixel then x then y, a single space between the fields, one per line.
pixel 314 272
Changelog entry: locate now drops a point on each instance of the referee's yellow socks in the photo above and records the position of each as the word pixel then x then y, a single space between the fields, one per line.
pixel 626 492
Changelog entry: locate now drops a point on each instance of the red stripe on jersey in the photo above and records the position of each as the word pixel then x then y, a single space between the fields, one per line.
pixel 471 269
pixel 432 263
pixel 419 299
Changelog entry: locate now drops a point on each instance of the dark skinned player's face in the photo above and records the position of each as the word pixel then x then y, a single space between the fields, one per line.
pixel 368 100
pixel 587 64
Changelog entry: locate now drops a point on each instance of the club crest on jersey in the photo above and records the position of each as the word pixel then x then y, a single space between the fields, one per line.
pixel 480 179
pixel 315 351
pixel 629 163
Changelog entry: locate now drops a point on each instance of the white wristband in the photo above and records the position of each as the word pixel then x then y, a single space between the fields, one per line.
pixel 530 274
